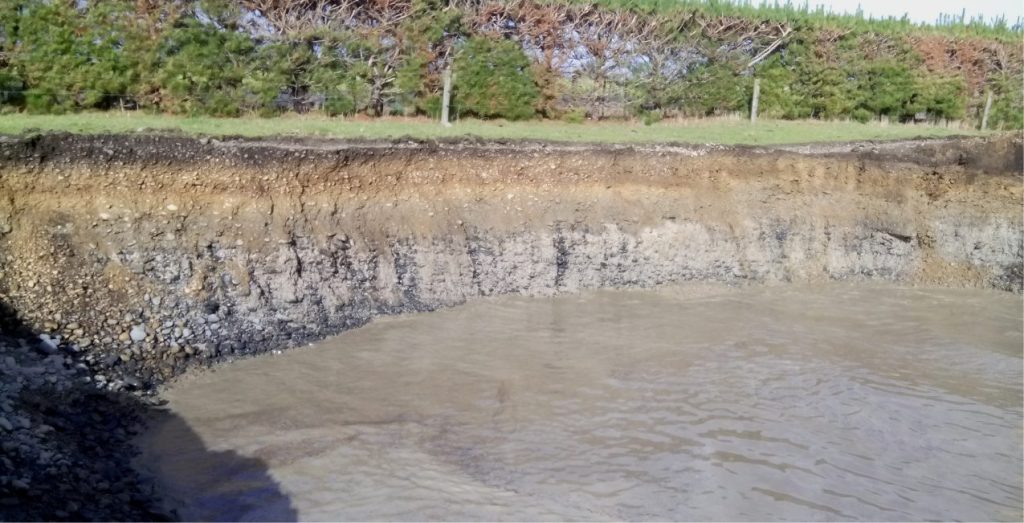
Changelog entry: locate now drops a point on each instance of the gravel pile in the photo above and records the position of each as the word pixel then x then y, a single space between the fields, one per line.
pixel 65 439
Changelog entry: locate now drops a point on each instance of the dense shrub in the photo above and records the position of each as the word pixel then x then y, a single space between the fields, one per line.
pixel 574 116
pixel 11 89
pixel 716 89
pixel 861 115
pixel 781 93
pixel 830 93
pixel 494 80
pixel 207 70
pixel 515 60
pixel 65 59
pixel 1008 104
pixel 940 98
pixel 886 89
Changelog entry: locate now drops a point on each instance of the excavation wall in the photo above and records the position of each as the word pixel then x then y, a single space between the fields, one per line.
pixel 143 255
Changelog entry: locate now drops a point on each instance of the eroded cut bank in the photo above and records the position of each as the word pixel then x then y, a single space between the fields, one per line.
pixel 144 255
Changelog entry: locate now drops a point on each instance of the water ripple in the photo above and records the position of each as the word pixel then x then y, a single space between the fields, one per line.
pixel 835 402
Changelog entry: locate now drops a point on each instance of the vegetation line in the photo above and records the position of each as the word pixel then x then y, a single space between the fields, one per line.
pixel 570 60
pixel 710 130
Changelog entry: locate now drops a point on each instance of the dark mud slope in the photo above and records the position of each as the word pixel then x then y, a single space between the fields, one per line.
pixel 140 256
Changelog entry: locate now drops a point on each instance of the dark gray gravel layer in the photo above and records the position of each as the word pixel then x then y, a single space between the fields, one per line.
pixel 66 444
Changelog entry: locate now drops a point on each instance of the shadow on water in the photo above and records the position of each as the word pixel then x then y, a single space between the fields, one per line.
pixel 77 459
pixel 210 485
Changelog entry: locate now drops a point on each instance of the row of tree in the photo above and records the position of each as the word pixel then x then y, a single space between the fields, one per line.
pixel 513 59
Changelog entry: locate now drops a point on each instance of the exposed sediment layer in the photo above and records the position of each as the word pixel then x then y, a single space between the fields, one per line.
pixel 143 255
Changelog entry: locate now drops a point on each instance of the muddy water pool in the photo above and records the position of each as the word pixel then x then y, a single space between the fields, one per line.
pixel 827 402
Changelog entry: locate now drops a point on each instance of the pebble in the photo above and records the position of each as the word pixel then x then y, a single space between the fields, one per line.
pixel 6 425
pixel 47 345
pixel 138 333
pixel 110 359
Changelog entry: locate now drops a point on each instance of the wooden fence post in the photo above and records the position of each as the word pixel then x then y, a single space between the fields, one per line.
pixel 757 97
pixel 984 116
pixel 446 101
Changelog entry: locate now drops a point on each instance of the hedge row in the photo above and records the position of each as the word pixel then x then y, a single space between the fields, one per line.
pixel 512 59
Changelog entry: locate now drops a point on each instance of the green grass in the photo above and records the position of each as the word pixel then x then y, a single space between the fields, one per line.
pixel 722 131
